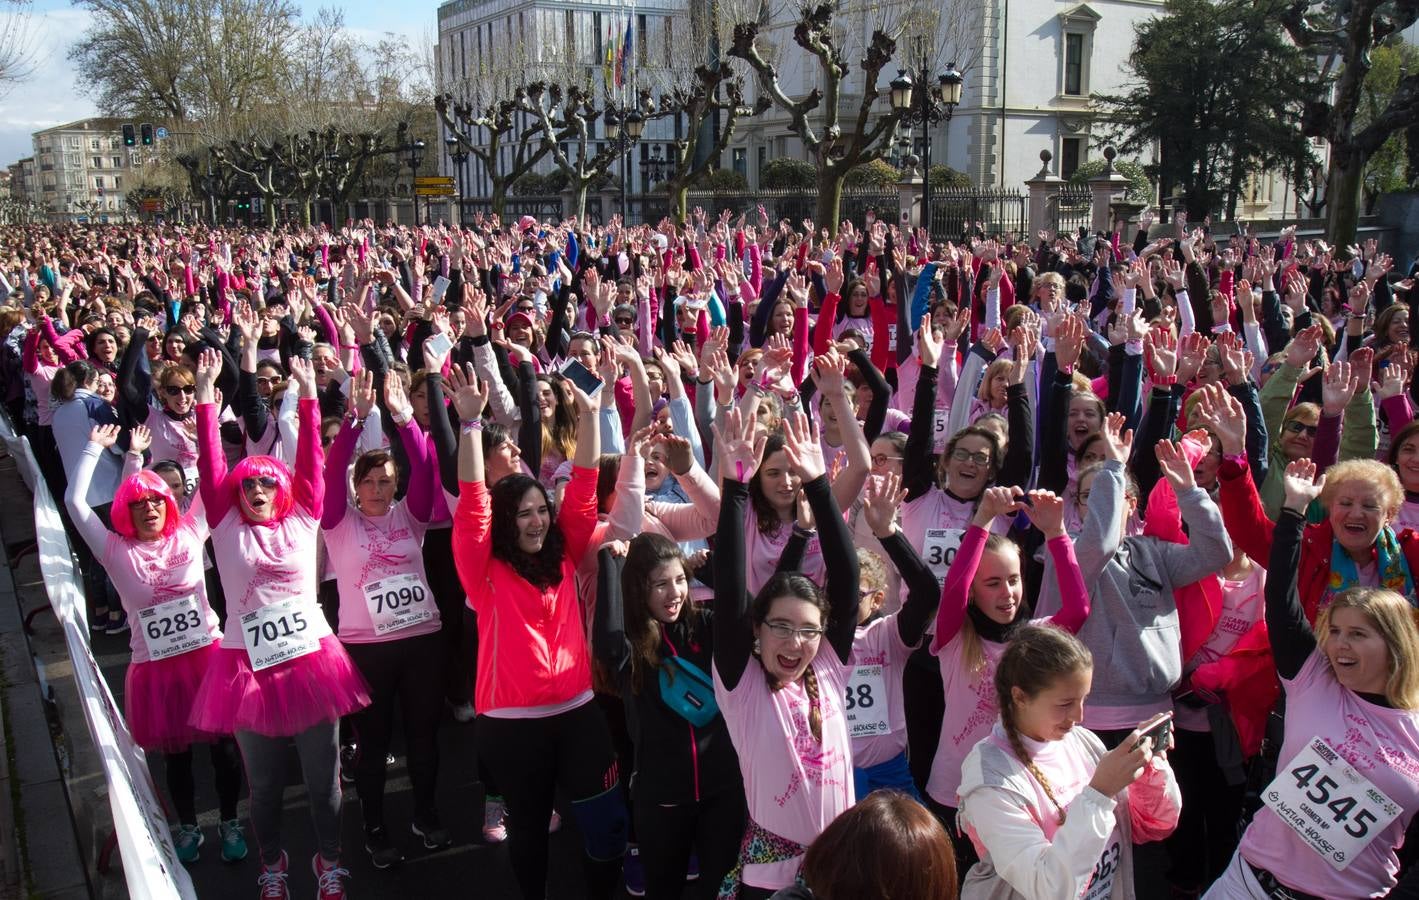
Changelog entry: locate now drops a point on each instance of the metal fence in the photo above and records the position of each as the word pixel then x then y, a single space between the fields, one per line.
pixel 796 204
pixel 1071 208
pixel 954 211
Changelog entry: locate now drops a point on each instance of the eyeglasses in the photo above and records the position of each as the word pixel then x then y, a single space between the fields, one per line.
pixel 625 323
pixel 152 501
pixel 1297 427
pixel 174 390
pixel 961 454
pixel 784 631
pixel 268 379
pixel 266 481
pixel 881 459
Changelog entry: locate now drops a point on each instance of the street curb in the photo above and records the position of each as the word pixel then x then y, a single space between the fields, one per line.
pixel 63 814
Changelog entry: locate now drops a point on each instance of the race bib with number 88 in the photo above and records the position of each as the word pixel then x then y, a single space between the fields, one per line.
pixel 865 706
pixel 1335 810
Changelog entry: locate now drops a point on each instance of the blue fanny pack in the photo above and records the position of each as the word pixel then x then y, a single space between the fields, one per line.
pixel 688 691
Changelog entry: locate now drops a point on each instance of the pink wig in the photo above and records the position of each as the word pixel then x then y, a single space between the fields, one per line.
pixel 258 466
pixel 146 483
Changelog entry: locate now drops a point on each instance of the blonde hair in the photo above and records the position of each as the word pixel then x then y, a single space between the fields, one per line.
pixel 872 571
pixel 1394 619
pixel 972 653
pixel 1371 471
pixel 1000 366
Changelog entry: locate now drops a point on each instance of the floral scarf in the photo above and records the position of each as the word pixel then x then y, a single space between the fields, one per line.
pixel 1393 568
pixel 760 846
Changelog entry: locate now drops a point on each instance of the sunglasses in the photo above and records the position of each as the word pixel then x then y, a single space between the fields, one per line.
pixel 268 379
pixel 174 390
pixel 625 323
pixel 266 481
pixel 1299 427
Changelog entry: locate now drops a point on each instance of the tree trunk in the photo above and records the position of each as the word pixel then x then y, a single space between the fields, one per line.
pixel 499 196
pixel 306 204
pixel 269 201
pixel 1342 196
pixel 679 201
pixel 579 199
pixel 830 196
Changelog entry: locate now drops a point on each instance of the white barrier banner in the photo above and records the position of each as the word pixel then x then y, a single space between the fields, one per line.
pixel 150 865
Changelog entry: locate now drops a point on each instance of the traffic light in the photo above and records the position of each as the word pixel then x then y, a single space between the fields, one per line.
pixel 147 131
pixel 129 138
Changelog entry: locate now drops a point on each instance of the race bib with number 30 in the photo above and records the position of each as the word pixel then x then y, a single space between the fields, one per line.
pixel 865 706
pixel 1335 810
pixel 173 628
pixel 398 602
pixel 282 632
pixel 939 548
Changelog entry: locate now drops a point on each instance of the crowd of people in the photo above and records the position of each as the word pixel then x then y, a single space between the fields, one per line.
pixel 789 561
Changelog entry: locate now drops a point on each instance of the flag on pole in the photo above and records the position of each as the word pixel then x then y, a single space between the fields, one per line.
pixel 627 48
pixel 608 66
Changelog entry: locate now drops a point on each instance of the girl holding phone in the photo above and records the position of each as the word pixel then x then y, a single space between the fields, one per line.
pixel 1051 813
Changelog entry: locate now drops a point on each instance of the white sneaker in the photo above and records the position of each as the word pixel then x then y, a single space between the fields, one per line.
pixel 494 812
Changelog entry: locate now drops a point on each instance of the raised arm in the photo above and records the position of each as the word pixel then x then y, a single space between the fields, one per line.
pixel 738 449
pixel 89 525
pixel 1292 638
pixel 608 628
pixel 212 476
pixel 1046 512
pixel 307 477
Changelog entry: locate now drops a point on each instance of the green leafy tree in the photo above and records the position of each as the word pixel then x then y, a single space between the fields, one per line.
pixel 1140 186
pixel 947 178
pixel 1344 35
pixel 1387 170
pixel 878 173
pixel 786 173
pixel 1220 90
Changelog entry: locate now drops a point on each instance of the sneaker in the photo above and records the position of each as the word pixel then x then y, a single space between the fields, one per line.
pixel 233 840
pixel 349 755
pixel 693 872
pixel 389 760
pixel 117 623
pixel 272 881
pixel 434 835
pixel 382 853
pixel 329 879
pixel 494 812
pixel 463 713
pixel 187 839
pixel 554 824
pixel 99 623
pixel 634 872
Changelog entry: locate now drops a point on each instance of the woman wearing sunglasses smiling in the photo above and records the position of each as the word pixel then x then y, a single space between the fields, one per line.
pixel 280 674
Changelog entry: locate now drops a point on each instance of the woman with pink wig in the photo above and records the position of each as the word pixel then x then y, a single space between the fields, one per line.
pixel 280 674
pixel 153 555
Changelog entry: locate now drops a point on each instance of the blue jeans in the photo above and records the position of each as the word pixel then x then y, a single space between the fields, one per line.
pixel 893 774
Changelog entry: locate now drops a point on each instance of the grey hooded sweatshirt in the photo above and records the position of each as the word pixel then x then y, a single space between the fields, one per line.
pixel 1133 628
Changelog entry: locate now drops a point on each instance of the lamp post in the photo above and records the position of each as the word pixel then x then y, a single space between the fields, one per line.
pixel 917 102
pixel 654 167
pixel 624 131
pixel 459 154
pixel 415 150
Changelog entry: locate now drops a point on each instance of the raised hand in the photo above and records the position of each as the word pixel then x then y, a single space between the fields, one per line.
pixel 104 435
pixel 996 502
pixel 1045 510
pixel 829 372
pixel 303 374
pixel 1118 441
pixel 396 400
pixel 928 345
pixel 1160 350
pixel 1394 378
pixel 881 499
pixel 1338 388
pixel 140 438
pixel 738 445
pixel 1301 485
pixel 1069 342
pixel 803 447
pixel 1222 415
pixel 362 393
pixel 1303 348
pixel 1175 466
pixel 469 393
pixel 209 366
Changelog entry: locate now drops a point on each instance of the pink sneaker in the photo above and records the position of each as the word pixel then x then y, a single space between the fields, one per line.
pixel 272 881
pixel 329 879
pixel 554 824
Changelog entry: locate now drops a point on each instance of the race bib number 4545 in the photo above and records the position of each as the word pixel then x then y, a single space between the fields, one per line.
pixel 1335 810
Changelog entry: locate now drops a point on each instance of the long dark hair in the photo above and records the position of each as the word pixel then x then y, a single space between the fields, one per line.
pixel 543 568
pixel 646 553
pixel 764 513
pixel 795 587
pixel 76 375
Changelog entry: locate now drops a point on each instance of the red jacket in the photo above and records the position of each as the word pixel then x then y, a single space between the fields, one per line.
pixel 531 644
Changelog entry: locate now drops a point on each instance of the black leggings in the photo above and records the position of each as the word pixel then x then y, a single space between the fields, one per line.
pixel 712 828
pixel 1201 847
pixel 924 699
pixel 966 855
pixel 403 670
pixel 226 765
pixel 458 630
pixel 531 759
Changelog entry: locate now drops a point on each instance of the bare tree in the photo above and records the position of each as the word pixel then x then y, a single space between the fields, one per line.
pixel 566 117
pixel 17 43
pixel 837 133
pixel 714 96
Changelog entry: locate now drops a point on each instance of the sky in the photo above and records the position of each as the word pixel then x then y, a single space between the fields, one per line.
pixel 52 95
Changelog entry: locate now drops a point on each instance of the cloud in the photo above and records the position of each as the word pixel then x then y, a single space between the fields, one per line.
pixel 51 95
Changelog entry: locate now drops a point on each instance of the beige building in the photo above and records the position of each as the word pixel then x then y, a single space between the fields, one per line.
pixel 81 170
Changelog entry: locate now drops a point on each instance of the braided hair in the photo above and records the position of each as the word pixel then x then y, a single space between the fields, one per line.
pixel 1036 657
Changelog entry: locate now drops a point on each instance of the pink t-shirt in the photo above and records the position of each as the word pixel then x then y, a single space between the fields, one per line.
pixel 362 549
pixel 172 441
pixel 1243 604
pixel 879 643
pixel 971 711
pixel 1381 744
pixel 794 785
pixel 40 380
pixel 150 573
pixel 266 564
pixel 762 552
pixel 1408 516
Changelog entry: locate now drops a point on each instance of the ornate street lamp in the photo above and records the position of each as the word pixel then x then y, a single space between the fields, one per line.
pixel 459 154
pixel 917 102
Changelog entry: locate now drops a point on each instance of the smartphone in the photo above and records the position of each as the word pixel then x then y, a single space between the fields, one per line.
pixel 1161 733
pixel 582 377
pixel 440 288
pixel 440 344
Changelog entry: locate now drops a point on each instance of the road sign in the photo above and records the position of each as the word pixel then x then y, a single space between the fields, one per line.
pixel 428 181
pixel 162 133
pixel 152 204
pixel 441 190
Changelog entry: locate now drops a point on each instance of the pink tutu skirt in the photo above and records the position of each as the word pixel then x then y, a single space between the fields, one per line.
pixel 283 700
pixel 158 698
